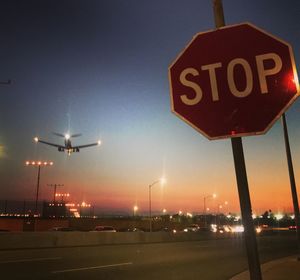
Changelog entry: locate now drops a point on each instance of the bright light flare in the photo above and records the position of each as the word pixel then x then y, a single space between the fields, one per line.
pixel 67 136
pixel 237 229
pixel 36 139
pixel 258 230
pixel 40 163
pixel 99 142
pixel 163 180
pixel 278 216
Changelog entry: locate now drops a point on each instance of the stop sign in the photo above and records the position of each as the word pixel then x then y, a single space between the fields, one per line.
pixel 233 81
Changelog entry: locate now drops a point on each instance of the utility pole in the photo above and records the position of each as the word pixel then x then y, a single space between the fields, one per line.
pixel 54 192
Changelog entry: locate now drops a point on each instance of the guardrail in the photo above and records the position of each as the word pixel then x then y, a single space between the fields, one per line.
pixel 30 240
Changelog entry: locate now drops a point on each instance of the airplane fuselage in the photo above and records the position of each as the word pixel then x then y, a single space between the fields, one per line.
pixel 68 147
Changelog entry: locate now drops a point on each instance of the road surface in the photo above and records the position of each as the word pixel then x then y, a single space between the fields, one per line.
pixel 209 259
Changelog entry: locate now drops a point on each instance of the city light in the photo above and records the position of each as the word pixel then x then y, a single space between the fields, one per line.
pixel 278 216
pixel 135 209
pixel 62 194
pixel 39 163
pixel 162 181
pixel 84 205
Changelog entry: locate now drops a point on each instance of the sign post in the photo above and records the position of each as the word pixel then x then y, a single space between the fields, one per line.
pixel 242 181
pixel 246 210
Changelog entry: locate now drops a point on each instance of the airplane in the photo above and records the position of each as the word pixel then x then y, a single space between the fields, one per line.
pixel 68 145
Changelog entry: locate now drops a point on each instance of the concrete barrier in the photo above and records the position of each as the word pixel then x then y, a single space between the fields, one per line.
pixel 26 240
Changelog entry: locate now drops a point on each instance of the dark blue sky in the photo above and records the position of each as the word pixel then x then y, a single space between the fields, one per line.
pixel 101 68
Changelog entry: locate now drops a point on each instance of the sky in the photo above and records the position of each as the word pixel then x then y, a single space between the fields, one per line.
pixel 100 68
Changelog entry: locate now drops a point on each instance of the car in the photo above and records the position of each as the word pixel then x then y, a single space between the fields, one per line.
pixel 104 229
pixel 192 228
pixel 61 229
pixel 135 230
pixel 292 227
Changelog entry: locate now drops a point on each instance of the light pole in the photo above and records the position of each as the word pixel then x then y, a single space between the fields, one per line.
pixel 39 164
pixel 54 196
pixel 162 181
pixel 55 187
pixel 62 195
pixel 204 206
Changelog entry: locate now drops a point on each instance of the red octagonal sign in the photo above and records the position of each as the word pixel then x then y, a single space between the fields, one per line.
pixel 233 81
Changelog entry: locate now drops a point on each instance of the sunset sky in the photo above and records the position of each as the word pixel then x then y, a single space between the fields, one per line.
pixel 100 68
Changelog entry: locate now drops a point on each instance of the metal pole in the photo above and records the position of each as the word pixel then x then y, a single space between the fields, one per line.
pixel 249 231
pixel 292 181
pixel 37 189
pixel 55 189
pixel 150 217
pixel 5 206
pixel 55 186
pixel 24 208
pixel 204 212
pixel 242 181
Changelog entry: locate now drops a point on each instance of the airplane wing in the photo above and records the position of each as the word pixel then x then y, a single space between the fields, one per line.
pixel 50 144
pixel 88 145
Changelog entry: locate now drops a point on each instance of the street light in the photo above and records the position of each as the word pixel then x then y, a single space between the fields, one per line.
pixel 135 209
pixel 62 195
pixel 39 164
pixel 204 206
pixel 162 181
pixel 55 186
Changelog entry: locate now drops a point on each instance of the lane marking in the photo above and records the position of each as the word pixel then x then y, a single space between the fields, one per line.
pixel 30 260
pixel 92 267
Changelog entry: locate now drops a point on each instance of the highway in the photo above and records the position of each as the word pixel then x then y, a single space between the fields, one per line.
pixel 208 259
